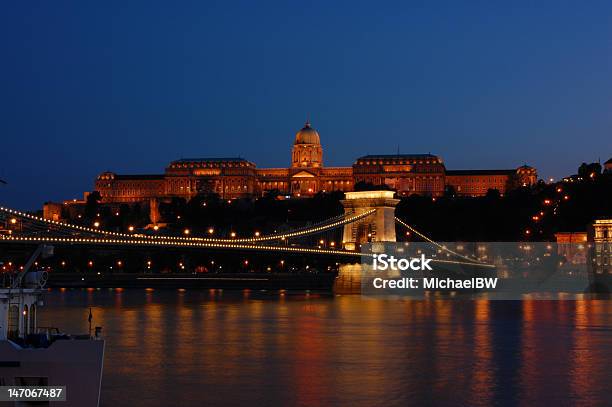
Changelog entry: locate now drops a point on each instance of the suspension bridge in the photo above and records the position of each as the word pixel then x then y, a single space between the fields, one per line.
pixel 36 230
pixel 368 217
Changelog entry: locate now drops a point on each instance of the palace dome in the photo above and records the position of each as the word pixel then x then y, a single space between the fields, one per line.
pixel 307 135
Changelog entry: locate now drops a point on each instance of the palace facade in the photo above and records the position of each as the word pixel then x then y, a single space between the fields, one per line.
pixel 422 174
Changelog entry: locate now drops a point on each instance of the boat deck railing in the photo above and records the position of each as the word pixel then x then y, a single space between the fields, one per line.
pixel 45 336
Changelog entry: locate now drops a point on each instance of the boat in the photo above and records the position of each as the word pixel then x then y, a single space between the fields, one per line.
pixel 51 366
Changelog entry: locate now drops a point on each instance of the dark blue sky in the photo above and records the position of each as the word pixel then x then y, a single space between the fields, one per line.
pixel 130 86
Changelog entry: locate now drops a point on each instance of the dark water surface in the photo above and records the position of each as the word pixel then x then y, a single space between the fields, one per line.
pixel 193 348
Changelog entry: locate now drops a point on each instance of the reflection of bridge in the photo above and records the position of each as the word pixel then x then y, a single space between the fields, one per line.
pixel 369 217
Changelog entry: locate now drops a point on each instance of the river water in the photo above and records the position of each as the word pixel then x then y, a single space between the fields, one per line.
pixel 211 347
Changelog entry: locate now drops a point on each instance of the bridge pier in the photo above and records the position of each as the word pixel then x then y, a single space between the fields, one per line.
pixel 377 227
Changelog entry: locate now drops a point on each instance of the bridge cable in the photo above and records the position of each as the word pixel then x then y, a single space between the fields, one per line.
pixel 398 220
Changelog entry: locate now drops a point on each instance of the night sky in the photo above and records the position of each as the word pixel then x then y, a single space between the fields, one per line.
pixel 129 86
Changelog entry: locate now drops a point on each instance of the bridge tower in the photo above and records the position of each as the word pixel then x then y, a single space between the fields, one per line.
pixel 377 227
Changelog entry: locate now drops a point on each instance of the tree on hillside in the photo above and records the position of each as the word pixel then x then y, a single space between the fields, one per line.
pixel 91 205
pixel 591 170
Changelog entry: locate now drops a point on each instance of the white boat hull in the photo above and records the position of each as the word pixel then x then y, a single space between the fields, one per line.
pixel 74 363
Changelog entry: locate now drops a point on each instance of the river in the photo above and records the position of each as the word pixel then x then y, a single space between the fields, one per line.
pixel 211 347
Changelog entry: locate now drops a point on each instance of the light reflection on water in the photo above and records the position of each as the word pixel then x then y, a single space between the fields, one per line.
pixel 209 347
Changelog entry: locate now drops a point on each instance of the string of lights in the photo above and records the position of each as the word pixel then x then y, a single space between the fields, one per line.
pixel 321 227
pixel 147 242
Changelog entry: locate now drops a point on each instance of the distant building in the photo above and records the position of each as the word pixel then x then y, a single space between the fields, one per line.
pixel 572 246
pixel 571 237
pixel 608 166
pixel 600 234
pixel 69 209
pixel 422 174
pixel 133 188
pixel 478 182
pixel 52 211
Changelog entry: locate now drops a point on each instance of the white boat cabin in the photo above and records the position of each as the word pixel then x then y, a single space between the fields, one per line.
pixel 18 307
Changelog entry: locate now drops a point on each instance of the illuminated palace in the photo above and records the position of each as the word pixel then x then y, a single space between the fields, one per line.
pixel 422 174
